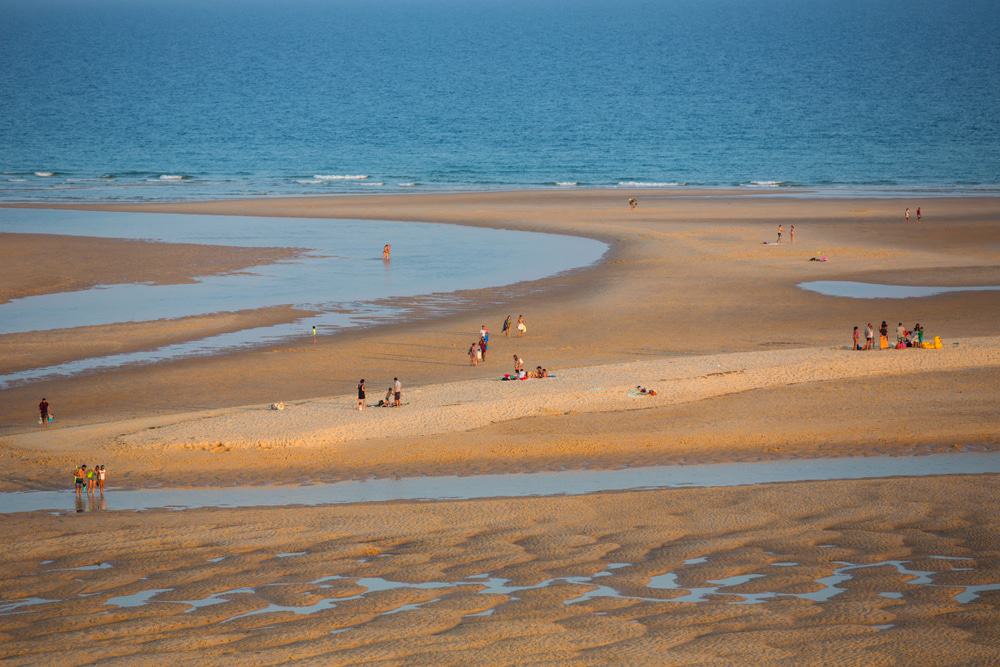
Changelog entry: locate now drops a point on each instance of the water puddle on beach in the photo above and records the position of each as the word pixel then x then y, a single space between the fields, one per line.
pixel 596 585
pixel 570 482
pixel 342 277
pixel 856 290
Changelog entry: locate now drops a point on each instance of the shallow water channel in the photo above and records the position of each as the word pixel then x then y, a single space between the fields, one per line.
pixel 570 482
pixel 341 277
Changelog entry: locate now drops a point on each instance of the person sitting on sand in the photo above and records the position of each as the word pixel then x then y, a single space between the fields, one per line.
pixel 545 372
pixel 387 401
pixel 632 202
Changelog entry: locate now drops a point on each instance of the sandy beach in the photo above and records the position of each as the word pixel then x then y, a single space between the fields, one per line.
pixel 853 573
pixel 689 301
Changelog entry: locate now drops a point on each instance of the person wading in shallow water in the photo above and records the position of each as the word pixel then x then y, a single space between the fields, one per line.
pixel 387 251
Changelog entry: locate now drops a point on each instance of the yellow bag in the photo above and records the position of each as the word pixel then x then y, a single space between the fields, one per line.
pixel 927 345
pixel 937 343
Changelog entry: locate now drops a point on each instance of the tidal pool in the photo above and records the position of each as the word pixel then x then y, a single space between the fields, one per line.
pixel 342 276
pixel 569 482
pixel 856 290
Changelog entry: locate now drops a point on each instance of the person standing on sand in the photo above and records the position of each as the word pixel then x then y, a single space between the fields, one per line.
pixel 482 349
pixel 387 251
pixel 781 230
pixel 900 333
pixel 361 394
pixel 522 328
pixel 43 411
pixel 869 337
pixel 474 354
pixel 906 215
pixel 856 337
pixel 397 389
pixel 918 214
pixel 791 234
pixel 505 329
pixel 78 476
pixel 518 364
pixel 883 331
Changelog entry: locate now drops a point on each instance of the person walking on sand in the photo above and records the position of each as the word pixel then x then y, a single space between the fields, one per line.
pixel 102 476
pixel 361 394
pixel 78 478
pixel 906 215
pixel 869 337
pixel 522 328
pixel 387 251
pixel 397 389
pixel 43 412
pixel 781 230
pixel 791 234
pixel 482 349
pixel 474 354
pixel 856 337
pixel 505 329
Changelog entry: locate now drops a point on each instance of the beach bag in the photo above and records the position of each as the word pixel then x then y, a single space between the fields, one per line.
pixel 883 342
pixel 937 343
pixel 900 345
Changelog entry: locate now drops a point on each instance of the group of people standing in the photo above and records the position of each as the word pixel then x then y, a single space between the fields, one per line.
pixel 93 478
pixel 906 215
pixel 477 351
pixel 904 337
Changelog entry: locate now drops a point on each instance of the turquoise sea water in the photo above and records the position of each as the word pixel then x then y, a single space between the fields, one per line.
pixel 178 99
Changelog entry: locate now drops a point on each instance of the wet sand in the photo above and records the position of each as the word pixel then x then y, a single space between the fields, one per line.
pixel 854 573
pixel 32 264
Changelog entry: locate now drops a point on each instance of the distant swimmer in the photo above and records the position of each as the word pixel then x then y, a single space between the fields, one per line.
pixel 387 252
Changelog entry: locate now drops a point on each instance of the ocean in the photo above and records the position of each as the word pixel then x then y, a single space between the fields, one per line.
pixel 177 99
